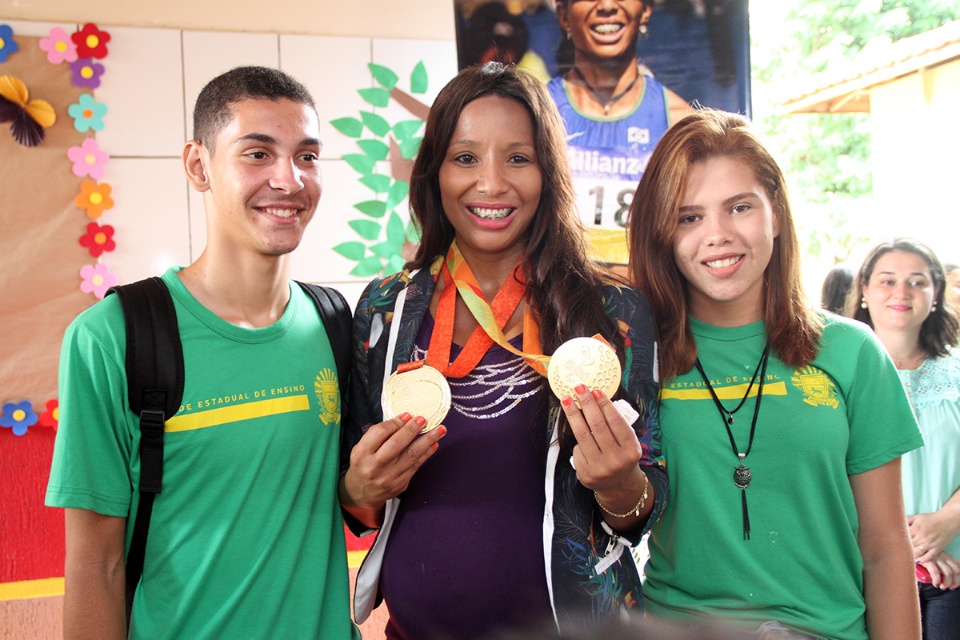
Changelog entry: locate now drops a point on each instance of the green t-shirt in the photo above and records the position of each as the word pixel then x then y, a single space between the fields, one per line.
pixel 246 538
pixel 844 414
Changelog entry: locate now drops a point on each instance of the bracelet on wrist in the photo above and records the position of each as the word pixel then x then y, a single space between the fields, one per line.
pixel 635 510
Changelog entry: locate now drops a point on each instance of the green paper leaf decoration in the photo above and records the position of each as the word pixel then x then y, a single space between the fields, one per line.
pixel 372 208
pixel 367 229
pixel 385 250
pixel 418 79
pixel 398 191
pixel 375 149
pixel 375 123
pixel 413 232
pixel 395 264
pixel 406 128
pixel 368 267
pixel 410 147
pixel 377 182
pixel 395 230
pixel 360 163
pixel 351 250
pixel 348 126
pixel 376 96
pixel 385 77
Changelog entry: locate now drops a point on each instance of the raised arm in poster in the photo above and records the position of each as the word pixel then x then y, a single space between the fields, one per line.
pixel 621 72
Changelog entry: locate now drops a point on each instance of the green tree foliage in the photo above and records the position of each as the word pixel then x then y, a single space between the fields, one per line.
pixel 826 156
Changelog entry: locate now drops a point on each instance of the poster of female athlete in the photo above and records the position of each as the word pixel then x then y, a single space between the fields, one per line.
pixel 621 72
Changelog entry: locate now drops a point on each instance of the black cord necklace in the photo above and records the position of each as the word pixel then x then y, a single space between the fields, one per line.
pixel 606 103
pixel 741 474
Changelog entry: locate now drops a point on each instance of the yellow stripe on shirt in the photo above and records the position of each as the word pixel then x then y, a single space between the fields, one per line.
pixel 237 413
pixel 734 392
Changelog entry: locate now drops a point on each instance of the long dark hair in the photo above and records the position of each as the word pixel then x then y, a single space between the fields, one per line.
pixel 939 330
pixel 793 327
pixel 563 286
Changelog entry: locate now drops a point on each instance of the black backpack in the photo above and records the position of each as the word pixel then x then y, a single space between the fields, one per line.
pixel 155 376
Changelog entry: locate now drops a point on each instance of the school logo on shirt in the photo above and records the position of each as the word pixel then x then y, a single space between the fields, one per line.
pixel 817 387
pixel 327 388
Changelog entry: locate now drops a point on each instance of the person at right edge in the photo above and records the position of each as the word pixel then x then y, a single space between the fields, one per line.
pixel 782 425
pixel 520 510
pixel 900 292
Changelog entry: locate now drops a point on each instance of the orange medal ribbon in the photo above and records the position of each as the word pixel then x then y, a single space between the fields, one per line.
pixel 491 319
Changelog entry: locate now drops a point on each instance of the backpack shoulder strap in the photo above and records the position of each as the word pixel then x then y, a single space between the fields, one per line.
pixel 154 365
pixel 338 322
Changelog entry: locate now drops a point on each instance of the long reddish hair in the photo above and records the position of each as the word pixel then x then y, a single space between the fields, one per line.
pixel 793 327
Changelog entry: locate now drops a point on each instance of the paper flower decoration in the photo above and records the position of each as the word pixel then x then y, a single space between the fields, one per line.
pixel 98 239
pixel 51 417
pixel 59 47
pixel 96 279
pixel 88 159
pixel 91 42
pixel 18 416
pixel 87 114
pixel 86 73
pixel 7 44
pixel 94 198
pixel 28 118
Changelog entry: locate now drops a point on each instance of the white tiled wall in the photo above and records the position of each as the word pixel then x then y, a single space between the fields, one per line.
pixel 143 90
pixel 150 217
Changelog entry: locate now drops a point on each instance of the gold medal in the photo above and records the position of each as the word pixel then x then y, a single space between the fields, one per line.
pixel 589 361
pixel 418 389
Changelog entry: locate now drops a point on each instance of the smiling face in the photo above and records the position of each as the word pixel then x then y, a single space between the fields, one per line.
pixel 900 292
pixel 490 179
pixel 262 183
pixel 724 240
pixel 602 29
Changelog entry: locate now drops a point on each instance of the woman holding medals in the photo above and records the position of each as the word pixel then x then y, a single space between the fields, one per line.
pixel 525 511
pixel 900 292
pixel 782 426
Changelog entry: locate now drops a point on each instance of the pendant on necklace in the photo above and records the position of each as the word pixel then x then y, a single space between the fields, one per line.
pixel 741 474
pixel 729 418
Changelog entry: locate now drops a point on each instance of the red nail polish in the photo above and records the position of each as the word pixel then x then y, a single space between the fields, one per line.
pixel 596 393
pixel 405 417
pixel 580 388
pixel 442 430
pixel 566 401
pixel 421 421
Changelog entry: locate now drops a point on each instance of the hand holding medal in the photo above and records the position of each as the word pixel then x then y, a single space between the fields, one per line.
pixel 584 373
pixel 383 462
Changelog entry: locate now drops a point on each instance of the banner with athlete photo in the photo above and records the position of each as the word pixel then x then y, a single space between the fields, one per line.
pixel 621 72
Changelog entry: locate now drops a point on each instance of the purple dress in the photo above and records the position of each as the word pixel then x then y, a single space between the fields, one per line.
pixel 462 558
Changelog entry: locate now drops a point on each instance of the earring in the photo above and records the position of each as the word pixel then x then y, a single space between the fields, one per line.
pixel 569 37
pixel 863 303
pixel 643 31
pixel 933 309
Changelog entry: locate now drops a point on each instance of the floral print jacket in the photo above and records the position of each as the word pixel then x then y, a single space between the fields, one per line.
pixel 590 568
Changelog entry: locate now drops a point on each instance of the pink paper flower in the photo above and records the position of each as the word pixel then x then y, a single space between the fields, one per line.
pixel 88 159
pixel 98 239
pixel 86 73
pixel 96 279
pixel 51 417
pixel 59 47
